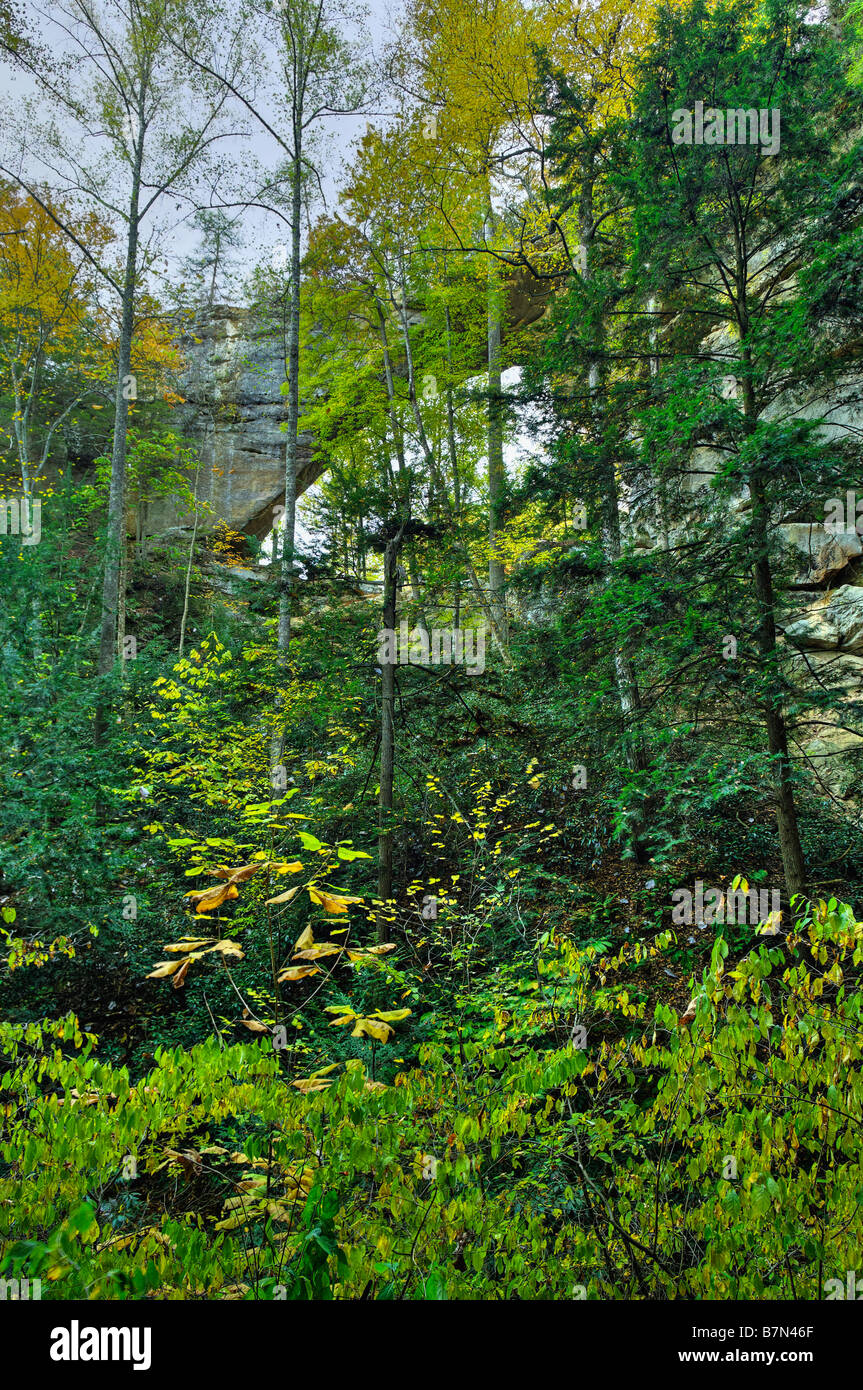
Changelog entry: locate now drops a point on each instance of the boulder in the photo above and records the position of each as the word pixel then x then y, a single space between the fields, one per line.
pixel 833 622
pixel 820 554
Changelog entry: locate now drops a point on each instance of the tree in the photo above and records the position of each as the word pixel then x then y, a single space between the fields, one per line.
pixel 209 267
pixel 714 236
pixel 318 74
pixel 391 209
pixel 49 349
pixel 138 122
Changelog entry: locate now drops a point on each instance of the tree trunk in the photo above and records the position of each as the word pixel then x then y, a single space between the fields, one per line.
pixel 289 520
pixel 290 517
pixel 398 445
pixel 496 474
pixel 387 765
pixel 777 734
pixel 116 533
pixel 434 471
pixel 628 695
pixel 188 583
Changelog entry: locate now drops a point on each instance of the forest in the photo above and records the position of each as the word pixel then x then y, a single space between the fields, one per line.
pixel 431 639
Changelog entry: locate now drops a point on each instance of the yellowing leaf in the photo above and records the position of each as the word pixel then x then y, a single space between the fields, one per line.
pixel 226 947
pixel 166 967
pixel 282 897
pixel 331 902
pixel 298 972
pixel 374 1028
pixel 277 1212
pixel 361 953
pixel 307 939
pixel 240 875
pixel 328 948
pixel 185 966
pixel 212 898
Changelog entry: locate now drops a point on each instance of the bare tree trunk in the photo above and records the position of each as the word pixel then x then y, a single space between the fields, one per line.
pixel 116 533
pixel 189 565
pixel 629 698
pixel 431 461
pixel 398 445
pixel 289 519
pixel 793 863
pixel 387 765
pixel 496 474
pixel 121 601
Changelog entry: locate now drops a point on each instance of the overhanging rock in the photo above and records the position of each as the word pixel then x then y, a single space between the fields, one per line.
pixel 231 384
pixel 231 379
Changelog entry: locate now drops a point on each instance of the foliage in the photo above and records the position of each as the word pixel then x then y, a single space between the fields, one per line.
pixel 688 1164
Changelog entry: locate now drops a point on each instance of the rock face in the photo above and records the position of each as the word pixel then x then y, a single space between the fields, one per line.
pixel 231 379
pixel 834 622
pixel 234 367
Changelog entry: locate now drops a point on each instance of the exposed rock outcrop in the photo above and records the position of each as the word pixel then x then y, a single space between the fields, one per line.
pixel 231 382
pixel 234 368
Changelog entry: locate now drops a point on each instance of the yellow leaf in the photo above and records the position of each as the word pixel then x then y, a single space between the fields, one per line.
pixel 305 940
pixel 365 952
pixel 164 968
pixel 772 926
pixel 331 902
pixel 277 1212
pixel 240 875
pixel 212 898
pixel 282 898
pixel 298 972
pixel 185 966
pixel 190 945
pixel 226 947
pixel 374 1028
pixel 301 1179
pixel 231 1222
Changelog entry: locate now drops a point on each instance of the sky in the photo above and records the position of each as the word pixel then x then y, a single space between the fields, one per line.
pixel 263 234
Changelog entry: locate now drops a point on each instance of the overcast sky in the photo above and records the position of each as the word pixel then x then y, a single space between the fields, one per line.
pixel 263 233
